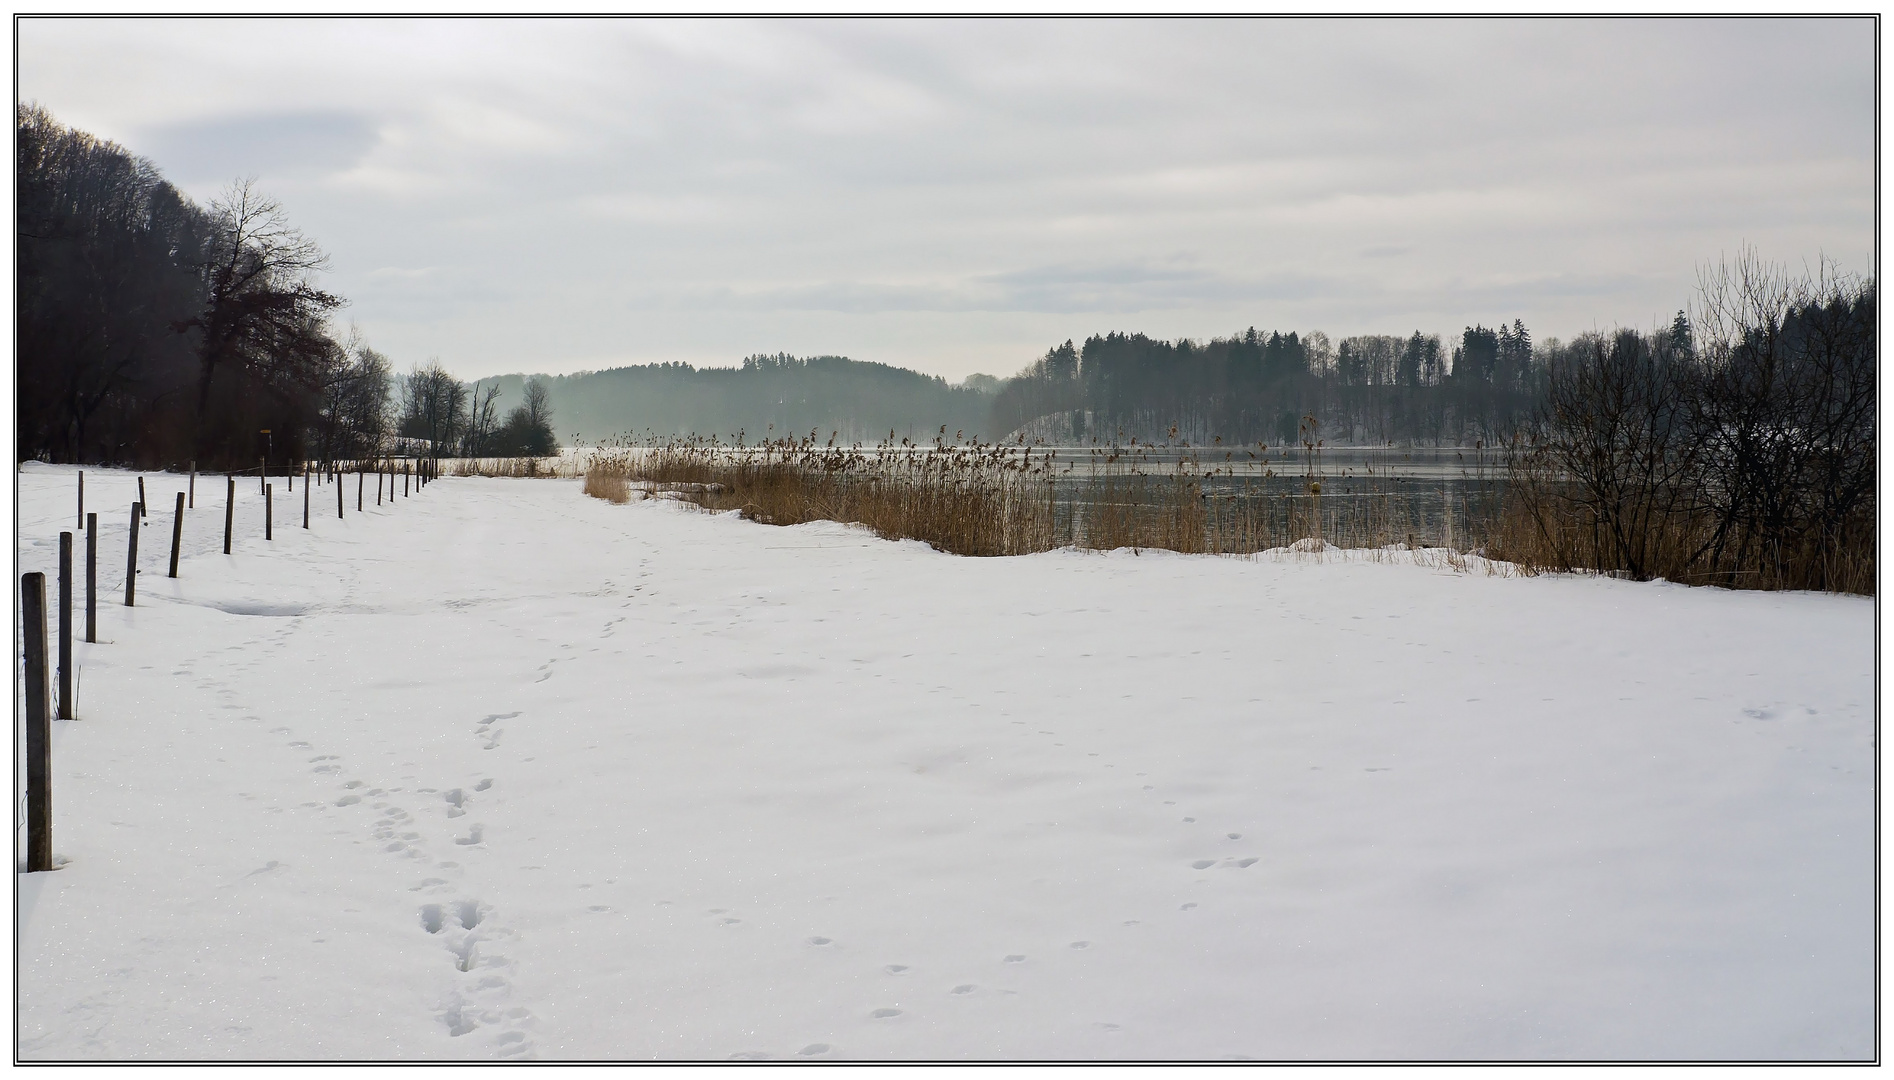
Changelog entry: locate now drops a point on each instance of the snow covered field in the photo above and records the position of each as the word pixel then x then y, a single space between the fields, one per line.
pixel 501 771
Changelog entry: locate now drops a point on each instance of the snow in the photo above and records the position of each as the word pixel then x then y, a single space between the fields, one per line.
pixel 500 771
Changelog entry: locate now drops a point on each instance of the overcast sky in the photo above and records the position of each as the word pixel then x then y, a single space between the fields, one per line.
pixel 958 196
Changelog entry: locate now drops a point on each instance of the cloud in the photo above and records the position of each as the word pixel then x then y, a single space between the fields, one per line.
pixel 269 144
pixel 960 192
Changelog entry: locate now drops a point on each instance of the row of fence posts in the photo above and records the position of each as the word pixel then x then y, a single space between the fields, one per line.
pixel 39 704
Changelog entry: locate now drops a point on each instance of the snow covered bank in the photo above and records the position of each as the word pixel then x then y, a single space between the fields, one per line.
pixel 501 771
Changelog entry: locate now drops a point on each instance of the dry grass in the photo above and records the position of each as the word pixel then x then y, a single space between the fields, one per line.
pixel 611 487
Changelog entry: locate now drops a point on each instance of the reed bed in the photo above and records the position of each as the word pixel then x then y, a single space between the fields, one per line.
pixel 973 498
pixel 557 467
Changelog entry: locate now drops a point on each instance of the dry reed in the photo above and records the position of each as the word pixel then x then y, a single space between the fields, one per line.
pixel 972 498
pixel 605 485
pixel 552 468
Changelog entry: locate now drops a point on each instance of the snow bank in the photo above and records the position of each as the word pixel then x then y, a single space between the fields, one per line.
pixel 501 771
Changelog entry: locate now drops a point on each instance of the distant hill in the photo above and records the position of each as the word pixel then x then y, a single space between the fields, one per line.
pixel 768 397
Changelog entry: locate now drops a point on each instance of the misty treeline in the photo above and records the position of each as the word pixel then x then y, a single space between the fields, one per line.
pixel 769 396
pixel 152 331
pixel 1255 387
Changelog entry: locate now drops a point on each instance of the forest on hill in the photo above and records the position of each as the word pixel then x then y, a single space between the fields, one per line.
pixel 768 396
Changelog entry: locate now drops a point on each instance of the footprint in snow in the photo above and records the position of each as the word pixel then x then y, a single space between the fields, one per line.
pixel 813 1050
pixel 474 836
pixel 1015 958
pixel 885 1014
pixel 895 969
pixel 821 941
pixel 514 1044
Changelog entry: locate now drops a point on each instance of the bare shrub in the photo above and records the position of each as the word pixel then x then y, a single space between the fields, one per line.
pixel 1744 459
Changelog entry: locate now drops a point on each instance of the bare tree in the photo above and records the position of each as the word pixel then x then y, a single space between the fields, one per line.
pixel 528 428
pixel 1616 421
pixel 1787 415
pixel 352 408
pixel 482 421
pixel 261 314
pixel 433 406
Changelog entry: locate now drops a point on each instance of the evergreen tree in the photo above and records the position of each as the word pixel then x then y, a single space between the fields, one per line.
pixel 1682 342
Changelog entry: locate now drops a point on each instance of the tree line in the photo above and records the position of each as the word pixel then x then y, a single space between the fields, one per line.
pixel 1260 387
pixel 152 331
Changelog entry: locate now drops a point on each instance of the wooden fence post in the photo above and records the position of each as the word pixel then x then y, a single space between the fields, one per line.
pixel 269 500
pixel 192 501
pixel 131 560
pixel 306 496
pixel 378 473
pixel 230 510
pixel 65 626
pixel 262 468
pixel 361 478
pixel 406 470
pixel 82 498
pixel 92 578
pixel 39 728
pixel 141 497
pixel 338 502
pixel 177 534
